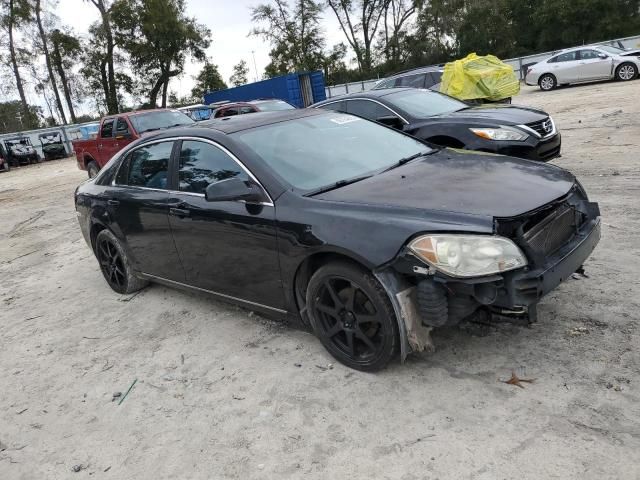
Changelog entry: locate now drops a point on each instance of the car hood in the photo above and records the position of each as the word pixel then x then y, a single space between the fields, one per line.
pixel 471 183
pixel 497 115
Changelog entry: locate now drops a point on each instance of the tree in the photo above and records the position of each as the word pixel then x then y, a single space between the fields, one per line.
pixel 295 35
pixel 65 48
pixel 106 59
pixel 158 37
pixel 359 21
pixel 47 58
pixel 396 14
pixel 208 80
pixel 240 74
pixel 12 118
pixel 14 14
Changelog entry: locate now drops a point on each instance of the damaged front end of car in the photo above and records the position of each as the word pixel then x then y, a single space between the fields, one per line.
pixel 439 279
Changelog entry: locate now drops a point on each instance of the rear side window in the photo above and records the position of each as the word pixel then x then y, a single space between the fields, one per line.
pixel 335 106
pixel 367 109
pixel 415 81
pixel 244 110
pixel 147 166
pixel 202 164
pixel 566 57
pixel 107 129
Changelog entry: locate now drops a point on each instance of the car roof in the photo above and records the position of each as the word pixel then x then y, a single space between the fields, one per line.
pixel 374 94
pixel 413 71
pixel 139 112
pixel 238 123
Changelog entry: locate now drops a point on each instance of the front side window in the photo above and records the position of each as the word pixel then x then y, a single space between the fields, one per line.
pixel 312 152
pixel 367 109
pixel 202 164
pixel 148 166
pixel 588 54
pixel 244 110
pixel 122 127
pixel 229 112
pixel 107 129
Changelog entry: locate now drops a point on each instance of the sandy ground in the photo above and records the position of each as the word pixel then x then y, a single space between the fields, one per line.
pixel 223 393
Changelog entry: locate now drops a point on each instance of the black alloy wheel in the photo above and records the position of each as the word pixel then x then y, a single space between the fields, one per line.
pixel 352 316
pixel 115 265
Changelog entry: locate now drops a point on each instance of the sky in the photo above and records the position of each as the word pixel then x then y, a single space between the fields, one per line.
pixel 229 22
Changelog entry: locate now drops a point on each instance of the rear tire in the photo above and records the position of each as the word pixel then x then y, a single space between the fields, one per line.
pixel 92 169
pixel 115 264
pixel 547 82
pixel 352 316
pixel 626 72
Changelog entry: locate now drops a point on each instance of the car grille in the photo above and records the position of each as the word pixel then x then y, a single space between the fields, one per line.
pixel 554 230
pixel 544 127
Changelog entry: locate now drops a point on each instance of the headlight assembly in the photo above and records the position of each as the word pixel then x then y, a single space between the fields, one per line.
pixel 468 255
pixel 500 133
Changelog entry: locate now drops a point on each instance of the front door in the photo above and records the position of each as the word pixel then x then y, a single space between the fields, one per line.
pixel 226 247
pixel 593 67
pixel 566 67
pixel 106 142
pixel 139 202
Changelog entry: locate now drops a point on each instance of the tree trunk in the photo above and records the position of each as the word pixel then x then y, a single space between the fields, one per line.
pixel 110 87
pixel 57 61
pixel 165 87
pixel 47 58
pixel 155 90
pixel 14 64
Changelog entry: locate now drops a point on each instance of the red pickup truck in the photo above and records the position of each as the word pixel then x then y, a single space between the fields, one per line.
pixel 117 131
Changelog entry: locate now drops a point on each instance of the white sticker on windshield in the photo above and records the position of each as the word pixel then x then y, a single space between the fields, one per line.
pixel 342 119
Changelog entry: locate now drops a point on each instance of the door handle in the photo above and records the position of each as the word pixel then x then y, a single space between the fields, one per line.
pixel 99 145
pixel 179 212
pixel 113 202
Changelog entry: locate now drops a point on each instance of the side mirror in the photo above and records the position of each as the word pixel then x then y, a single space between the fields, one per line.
pixel 233 189
pixel 603 55
pixel 390 121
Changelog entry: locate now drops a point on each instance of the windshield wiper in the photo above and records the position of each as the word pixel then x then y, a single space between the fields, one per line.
pixel 404 160
pixel 338 184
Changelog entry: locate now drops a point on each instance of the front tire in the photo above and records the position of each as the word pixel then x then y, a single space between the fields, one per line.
pixel 352 316
pixel 547 82
pixel 115 265
pixel 92 169
pixel 626 72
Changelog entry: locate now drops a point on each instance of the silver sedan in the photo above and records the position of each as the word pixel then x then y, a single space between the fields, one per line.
pixel 583 64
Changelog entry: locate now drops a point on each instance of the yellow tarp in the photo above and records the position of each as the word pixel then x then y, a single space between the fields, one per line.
pixel 476 77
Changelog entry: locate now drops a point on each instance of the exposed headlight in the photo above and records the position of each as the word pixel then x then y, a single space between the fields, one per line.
pixel 468 255
pixel 500 133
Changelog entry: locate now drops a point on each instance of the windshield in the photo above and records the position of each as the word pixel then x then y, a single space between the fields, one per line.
pixel 317 151
pixel 273 105
pixel 144 122
pixel 424 103
pixel 610 49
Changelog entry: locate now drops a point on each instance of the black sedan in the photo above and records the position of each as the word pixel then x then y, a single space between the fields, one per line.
pixel 361 232
pixel 442 120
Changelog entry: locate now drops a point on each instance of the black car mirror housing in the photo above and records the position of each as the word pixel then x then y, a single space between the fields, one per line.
pixel 233 189
pixel 390 121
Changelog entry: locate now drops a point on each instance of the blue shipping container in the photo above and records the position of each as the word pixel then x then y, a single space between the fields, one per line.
pixel 299 89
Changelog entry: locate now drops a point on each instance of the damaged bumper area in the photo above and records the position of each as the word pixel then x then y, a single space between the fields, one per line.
pixel 557 240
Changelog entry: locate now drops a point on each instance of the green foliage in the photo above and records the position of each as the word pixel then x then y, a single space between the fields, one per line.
pixel 294 33
pixel 208 80
pixel 158 37
pixel 240 74
pixel 12 118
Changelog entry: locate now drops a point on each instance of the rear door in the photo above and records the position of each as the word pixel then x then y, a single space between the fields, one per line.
pixel 592 67
pixel 106 142
pixel 138 203
pixel 226 247
pixel 566 67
